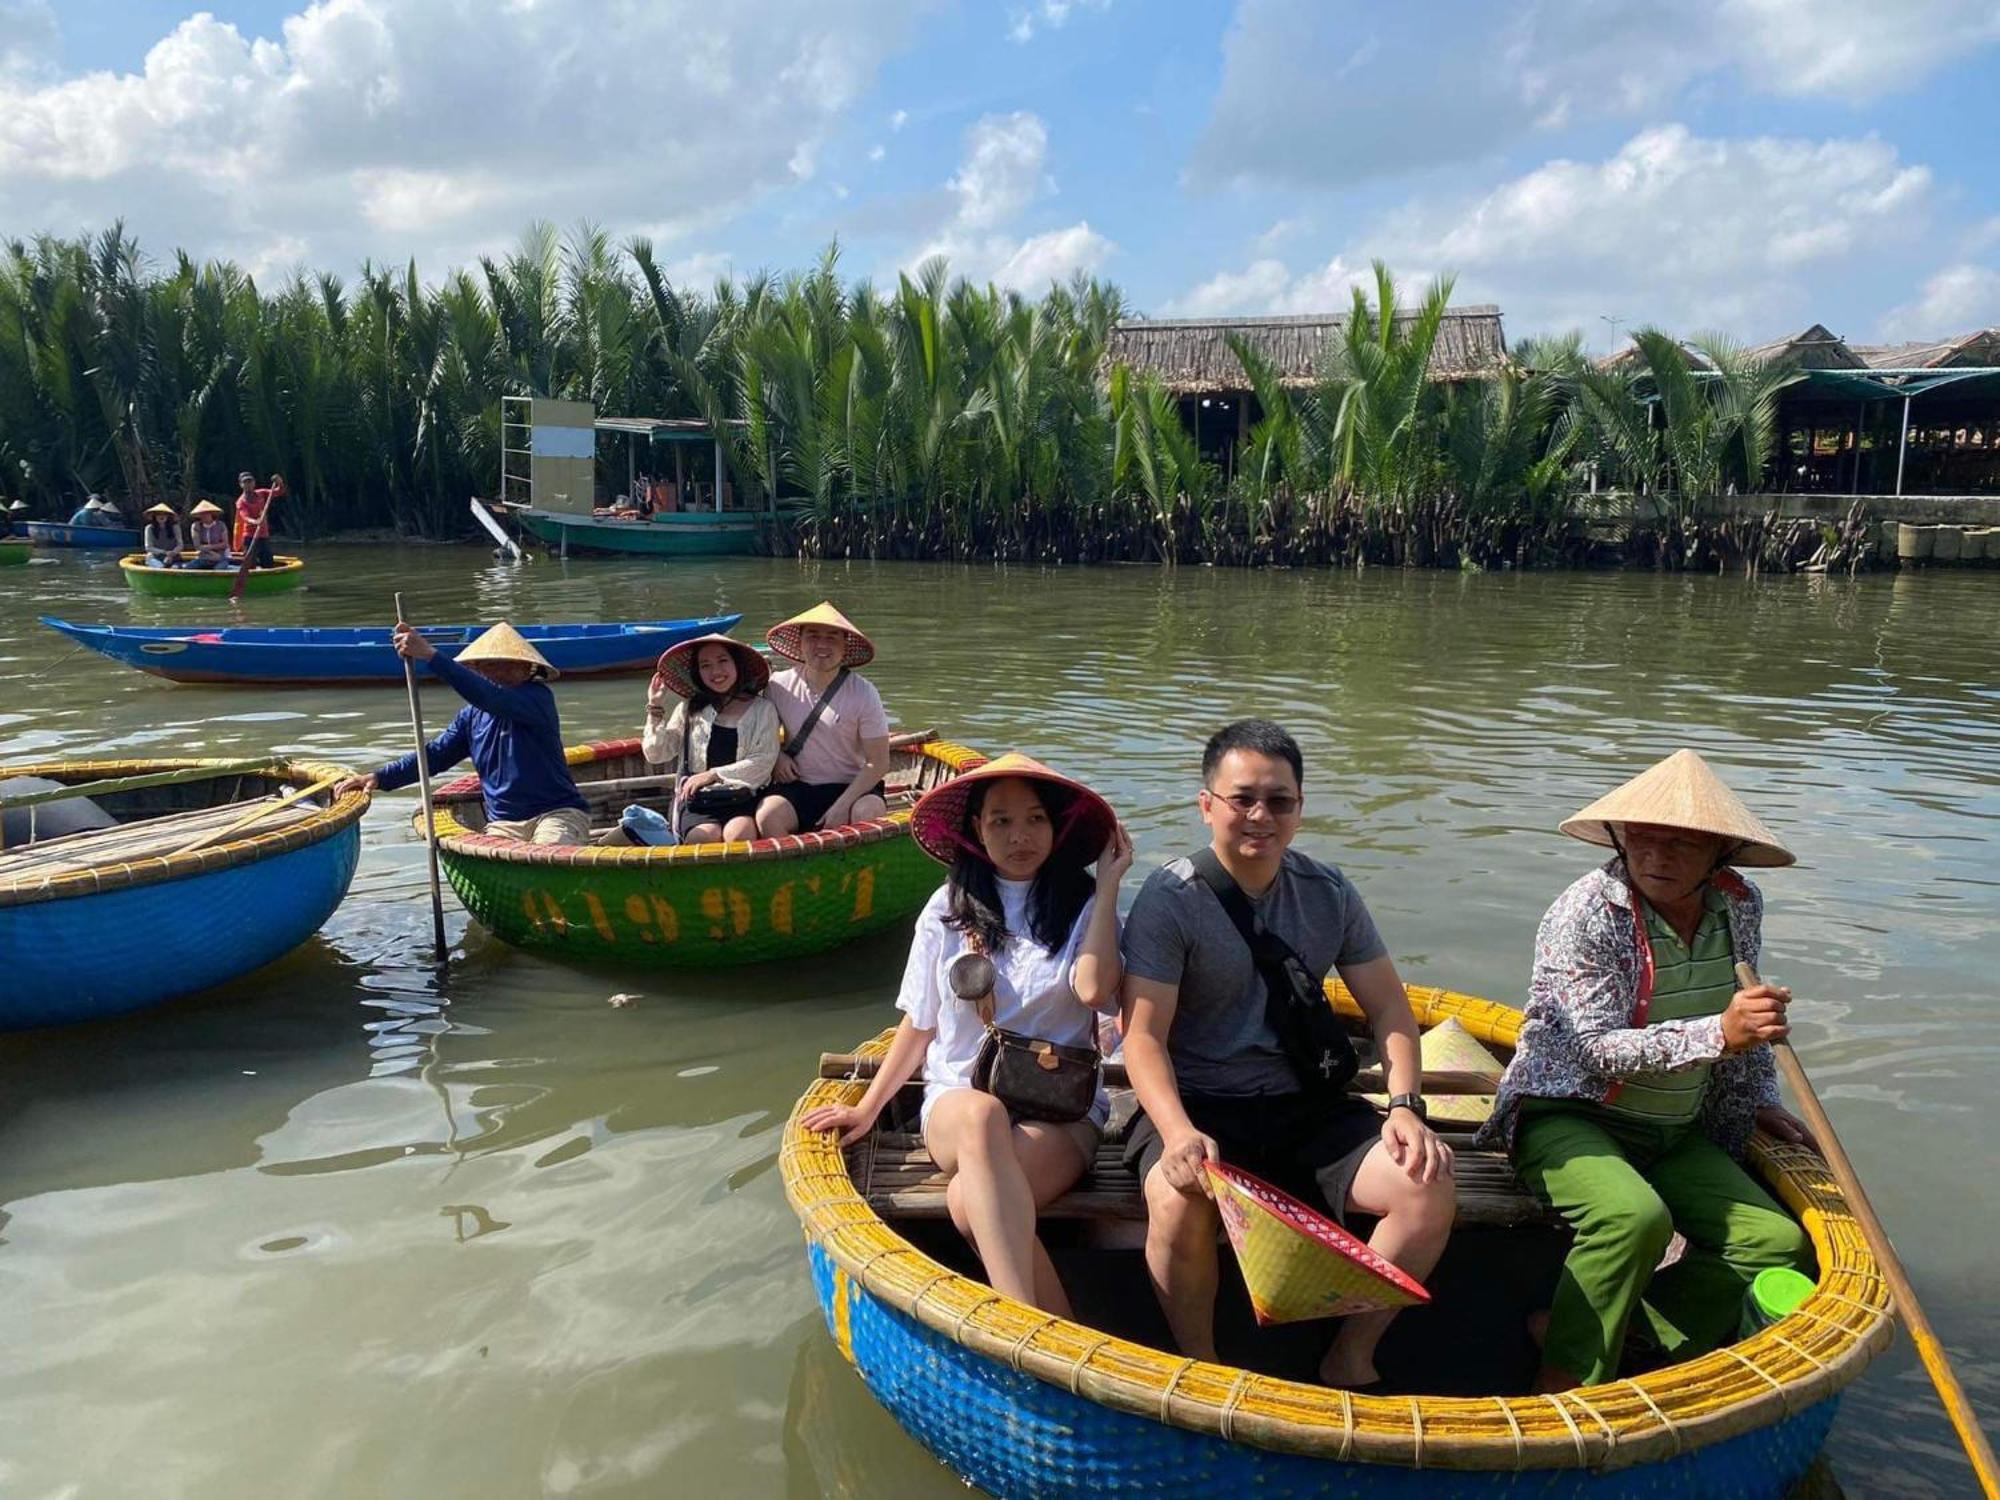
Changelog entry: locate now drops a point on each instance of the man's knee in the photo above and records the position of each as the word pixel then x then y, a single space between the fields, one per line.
pixel 1175 1217
pixel 1638 1219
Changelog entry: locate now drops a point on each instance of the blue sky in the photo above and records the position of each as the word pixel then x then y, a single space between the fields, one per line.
pixel 1747 166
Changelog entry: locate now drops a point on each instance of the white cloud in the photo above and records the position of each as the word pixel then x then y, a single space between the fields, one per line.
pixel 899 119
pixel 1754 236
pixel 1002 174
pixel 877 152
pixel 1315 94
pixel 1050 15
pixel 1955 300
pixel 368 127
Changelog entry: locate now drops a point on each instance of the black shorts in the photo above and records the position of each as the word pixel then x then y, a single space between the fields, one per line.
pixel 811 799
pixel 1308 1149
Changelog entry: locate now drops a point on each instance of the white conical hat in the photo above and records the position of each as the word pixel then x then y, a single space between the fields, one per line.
pixel 504 643
pixel 1682 792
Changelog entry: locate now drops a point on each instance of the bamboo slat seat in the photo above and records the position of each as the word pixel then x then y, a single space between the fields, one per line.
pixel 900 1181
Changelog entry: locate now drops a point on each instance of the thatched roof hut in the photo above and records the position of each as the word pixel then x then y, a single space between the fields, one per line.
pixel 1978 349
pixel 1814 348
pixel 1190 356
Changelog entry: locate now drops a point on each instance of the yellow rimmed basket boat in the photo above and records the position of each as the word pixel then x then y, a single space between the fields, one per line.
pixel 1023 1404
pixel 701 905
pixel 209 583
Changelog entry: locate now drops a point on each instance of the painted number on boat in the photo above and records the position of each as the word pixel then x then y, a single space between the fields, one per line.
pixel 719 914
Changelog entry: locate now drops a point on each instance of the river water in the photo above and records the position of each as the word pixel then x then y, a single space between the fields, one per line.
pixel 346 1229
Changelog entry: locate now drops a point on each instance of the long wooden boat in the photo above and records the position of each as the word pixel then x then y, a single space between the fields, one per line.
pixel 209 583
pixel 311 655
pixel 62 534
pixel 692 533
pixel 13 550
pixel 697 905
pixel 1021 1403
pixel 202 881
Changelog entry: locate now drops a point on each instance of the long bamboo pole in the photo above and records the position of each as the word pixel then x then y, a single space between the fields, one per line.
pixel 424 792
pixel 260 812
pixel 1936 1361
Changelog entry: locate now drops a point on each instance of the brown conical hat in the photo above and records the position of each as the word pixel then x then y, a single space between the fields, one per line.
pixel 1682 792
pixel 206 508
pixel 784 636
pixel 504 643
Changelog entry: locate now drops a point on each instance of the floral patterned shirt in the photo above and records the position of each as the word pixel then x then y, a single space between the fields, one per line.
pixel 1586 1026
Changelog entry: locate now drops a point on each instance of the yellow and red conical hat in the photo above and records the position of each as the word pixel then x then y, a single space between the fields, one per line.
pixel 677 664
pixel 1682 792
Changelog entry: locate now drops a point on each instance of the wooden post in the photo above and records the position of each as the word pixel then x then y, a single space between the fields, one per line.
pixel 631 465
pixel 1860 416
pixel 1903 445
pixel 718 473
pixel 680 479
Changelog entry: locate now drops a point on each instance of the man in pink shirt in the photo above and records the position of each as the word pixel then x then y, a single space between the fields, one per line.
pixel 836 747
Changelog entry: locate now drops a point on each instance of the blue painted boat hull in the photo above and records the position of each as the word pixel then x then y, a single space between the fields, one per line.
pixel 1021 1438
pixel 62 534
pixel 692 533
pixel 83 958
pixel 362 654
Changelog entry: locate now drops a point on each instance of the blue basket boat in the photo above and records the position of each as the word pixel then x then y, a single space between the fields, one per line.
pixel 1020 1403
pixel 62 534
pixel 272 656
pixel 201 882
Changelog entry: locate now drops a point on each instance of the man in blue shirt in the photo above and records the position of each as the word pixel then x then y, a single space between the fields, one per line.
pixel 509 728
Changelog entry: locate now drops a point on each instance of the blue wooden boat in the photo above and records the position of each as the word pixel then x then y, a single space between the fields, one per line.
pixel 694 533
pixel 62 534
pixel 198 883
pixel 1023 1404
pixel 314 654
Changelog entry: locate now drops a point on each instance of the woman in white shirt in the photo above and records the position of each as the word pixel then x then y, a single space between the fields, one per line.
pixel 722 734
pixel 1018 838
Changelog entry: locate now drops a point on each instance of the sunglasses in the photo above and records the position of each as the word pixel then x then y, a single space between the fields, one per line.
pixel 1280 804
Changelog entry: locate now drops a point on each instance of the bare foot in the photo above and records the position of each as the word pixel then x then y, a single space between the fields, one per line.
pixel 1343 1373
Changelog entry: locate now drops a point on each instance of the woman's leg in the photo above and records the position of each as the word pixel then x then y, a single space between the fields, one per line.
pixel 1622 1228
pixel 867 806
pixel 703 833
pixel 776 817
pixel 1053 1157
pixel 741 829
pixel 972 1141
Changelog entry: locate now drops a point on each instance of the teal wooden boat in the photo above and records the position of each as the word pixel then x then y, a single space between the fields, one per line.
pixel 693 533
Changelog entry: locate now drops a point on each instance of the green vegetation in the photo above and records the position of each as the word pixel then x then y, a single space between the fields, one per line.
pixel 929 419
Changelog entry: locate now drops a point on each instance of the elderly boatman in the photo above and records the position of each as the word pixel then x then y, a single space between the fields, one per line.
pixel 1641 1071
pixel 509 728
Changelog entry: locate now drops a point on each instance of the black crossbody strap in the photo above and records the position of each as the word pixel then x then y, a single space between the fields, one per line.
pixel 1267 949
pixel 798 741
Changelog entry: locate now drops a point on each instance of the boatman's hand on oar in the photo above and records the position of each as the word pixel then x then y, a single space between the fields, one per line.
pixel 1756 1017
pixel 410 643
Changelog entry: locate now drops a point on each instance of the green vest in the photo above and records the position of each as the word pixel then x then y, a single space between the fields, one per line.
pixel 1689 981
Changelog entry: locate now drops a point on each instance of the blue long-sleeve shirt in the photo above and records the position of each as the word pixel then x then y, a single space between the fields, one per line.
pixel 514 738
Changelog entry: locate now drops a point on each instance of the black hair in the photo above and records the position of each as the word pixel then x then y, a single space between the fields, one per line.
pixel 1060 889
pixel 1260 737
pixel 703 697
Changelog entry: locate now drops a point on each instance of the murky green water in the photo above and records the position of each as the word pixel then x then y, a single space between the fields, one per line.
pixel 342 1230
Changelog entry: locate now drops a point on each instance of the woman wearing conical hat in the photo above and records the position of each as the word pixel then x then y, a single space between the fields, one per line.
pixel 509 728
pixel 162 539
pixel 208 535
pixel 1641 1071
pixel 1023 935
pixel 836 732
pixel 720 737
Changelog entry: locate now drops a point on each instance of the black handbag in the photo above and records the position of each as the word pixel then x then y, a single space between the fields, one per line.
pixel 1317 1046
pixel 719 803
pixel 1035 1079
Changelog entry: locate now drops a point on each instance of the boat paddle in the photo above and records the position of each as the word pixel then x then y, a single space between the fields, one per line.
pixel 424 791
pixel 1956 1406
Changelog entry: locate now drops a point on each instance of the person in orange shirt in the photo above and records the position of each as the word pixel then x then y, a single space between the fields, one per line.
pixel 253 517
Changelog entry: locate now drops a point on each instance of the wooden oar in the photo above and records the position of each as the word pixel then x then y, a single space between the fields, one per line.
pixel 258 813
pixel 424 792
pixel 1368 1081
pixel 1956 1406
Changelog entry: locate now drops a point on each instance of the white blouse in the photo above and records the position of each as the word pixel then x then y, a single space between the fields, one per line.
pixel 1034 995
pixel 756 743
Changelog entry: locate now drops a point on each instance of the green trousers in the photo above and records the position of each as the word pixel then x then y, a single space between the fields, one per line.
pixel 1625 1186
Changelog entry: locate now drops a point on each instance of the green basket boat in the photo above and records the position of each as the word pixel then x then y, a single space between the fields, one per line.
pixel 209 583
pixel 702 905
pixel 13 550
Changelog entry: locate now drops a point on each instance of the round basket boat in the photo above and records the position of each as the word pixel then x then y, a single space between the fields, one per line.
pixel 13 550
pixel 209 583
pixel 199 882
pixel 694 905
pixel 1021 1403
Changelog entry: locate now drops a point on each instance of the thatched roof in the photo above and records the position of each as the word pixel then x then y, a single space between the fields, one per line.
pixel 1814 348
pixel 1189 355
pixel 1978 348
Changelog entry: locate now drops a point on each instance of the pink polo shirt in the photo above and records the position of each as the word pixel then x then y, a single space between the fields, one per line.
pixel 833 756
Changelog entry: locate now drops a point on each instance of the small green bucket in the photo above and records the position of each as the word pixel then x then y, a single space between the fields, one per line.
pixel 1775 1292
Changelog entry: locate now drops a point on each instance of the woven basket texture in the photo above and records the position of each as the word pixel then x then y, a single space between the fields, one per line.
pixel 106 941
pixel 707 905
pixel 1022 1403
pixel 205 583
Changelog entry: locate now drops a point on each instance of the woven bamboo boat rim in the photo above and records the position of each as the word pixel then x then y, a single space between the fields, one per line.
pixel 135 562
pixel 245 849
pixel 457 838
pixel 1796 1363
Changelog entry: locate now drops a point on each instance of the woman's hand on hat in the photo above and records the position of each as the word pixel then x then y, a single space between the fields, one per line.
pixel 786 769
pixel 410 643
pixel 851 1122
pixel 656 694
pixel 1116 859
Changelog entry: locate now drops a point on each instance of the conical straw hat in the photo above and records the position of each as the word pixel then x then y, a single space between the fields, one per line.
pixel 1682 792
pixel 784 636
pixel 504 643
pixel 677 664
pixel 1449 1048
pixel 162 509
pixel 938 821
pixel 206 508
pixel 1298 1264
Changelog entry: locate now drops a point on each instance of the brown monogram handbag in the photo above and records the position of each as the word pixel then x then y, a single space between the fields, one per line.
pixel 1036 1080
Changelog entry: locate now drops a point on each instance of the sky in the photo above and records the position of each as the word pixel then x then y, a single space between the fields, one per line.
pixel 1746 167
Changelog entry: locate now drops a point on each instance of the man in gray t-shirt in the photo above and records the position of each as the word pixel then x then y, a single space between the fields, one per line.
pixel 1213 1079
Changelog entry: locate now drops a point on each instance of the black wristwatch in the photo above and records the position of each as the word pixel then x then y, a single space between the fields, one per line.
pixel 1414 1103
